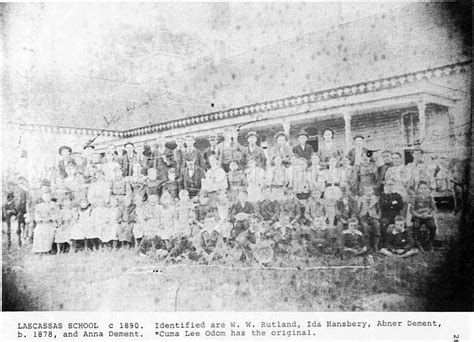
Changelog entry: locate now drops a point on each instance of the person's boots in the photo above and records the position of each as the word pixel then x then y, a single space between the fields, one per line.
pixel 376 243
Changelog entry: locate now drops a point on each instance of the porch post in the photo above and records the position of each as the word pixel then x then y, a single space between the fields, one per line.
pixel 422 116
pixel 347 128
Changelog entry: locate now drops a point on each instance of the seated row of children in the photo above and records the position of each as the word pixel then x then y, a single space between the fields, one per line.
pixel 217 227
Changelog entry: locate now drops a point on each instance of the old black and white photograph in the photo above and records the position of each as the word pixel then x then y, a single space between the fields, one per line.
pixel 231 156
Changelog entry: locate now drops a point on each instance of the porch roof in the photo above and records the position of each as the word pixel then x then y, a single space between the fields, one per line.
pixel 381 94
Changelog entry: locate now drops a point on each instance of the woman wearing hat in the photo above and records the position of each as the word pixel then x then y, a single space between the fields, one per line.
pixel 65 153
pixel 328 148
pixel 129 159
pixel 88 150
pixel 282 149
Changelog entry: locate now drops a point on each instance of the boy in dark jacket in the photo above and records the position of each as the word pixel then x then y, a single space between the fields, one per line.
pixel 399 241
pixel 352 240
pixel 391 205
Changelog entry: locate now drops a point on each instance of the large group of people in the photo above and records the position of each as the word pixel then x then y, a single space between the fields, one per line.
pixel 250 202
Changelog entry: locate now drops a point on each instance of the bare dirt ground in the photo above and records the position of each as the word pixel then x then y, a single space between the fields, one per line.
pixel 120 281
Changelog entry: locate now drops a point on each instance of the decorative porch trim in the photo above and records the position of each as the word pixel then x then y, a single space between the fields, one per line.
pixel 261 107
pixel 355 89
pixel 64 129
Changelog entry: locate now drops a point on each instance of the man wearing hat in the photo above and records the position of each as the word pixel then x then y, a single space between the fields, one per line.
pixel 191 152
pixel 212 150
pixel 281 149
pixel 229 150
pixel 162 159
pixel 129 158
pixel 65 153
pixel 303 149
pixel 356 154
pixel 88 150
pixel 252 151
pixel 391 205
pixel 192 176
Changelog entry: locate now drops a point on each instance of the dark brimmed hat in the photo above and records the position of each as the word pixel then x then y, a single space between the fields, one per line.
pixel 65 148
pixel 128 143
pixel 328 129
pixel 280 134
pixel 303 132
pixel 252 134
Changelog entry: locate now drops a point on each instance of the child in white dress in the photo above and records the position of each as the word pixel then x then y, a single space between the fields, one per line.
pixel 78 229
pixel 108 234
pixel 99 218
pixel 67 217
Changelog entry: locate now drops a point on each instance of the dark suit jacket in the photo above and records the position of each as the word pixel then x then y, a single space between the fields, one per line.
pixel 381 171
pixel 308 151
pixel 237 208
pixel 126 164
pixel 352 156
pixel 196 155
pixel 256 154
pixel 344 212
pixel 387 208
pixel 192 184
pixel 62 169
pixel 269 210
pixel 156 161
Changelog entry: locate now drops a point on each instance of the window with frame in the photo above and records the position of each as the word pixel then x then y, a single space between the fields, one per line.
pixel 411 128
